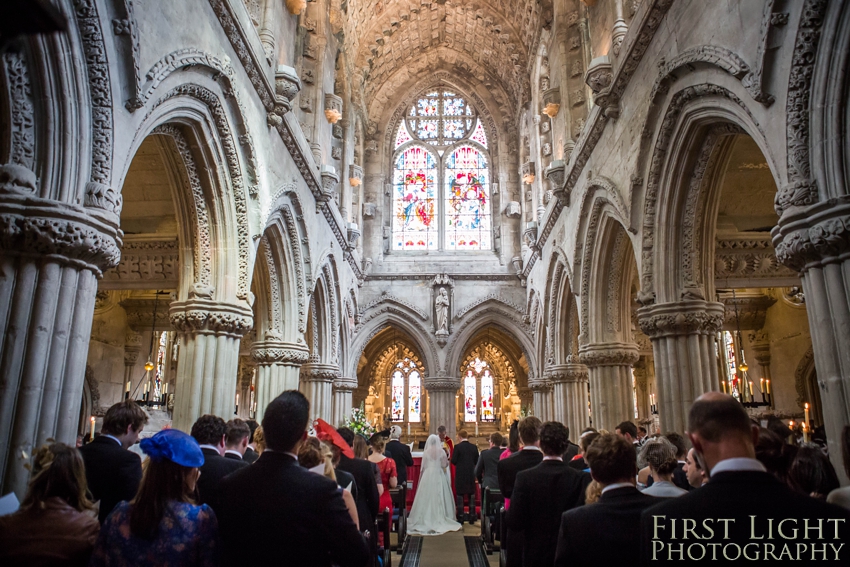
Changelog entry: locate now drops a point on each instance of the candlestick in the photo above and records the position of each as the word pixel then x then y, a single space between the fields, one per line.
pixel 91 434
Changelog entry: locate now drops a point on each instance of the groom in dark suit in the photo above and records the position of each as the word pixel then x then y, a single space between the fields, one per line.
pixel 276 512
pixel 464 459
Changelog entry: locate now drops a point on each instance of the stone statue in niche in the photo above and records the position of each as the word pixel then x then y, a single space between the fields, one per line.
pixel 441 307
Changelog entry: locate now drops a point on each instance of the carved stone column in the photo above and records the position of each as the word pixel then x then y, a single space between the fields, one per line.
pixel 541 392
pixel 816 242
pixel 641 373
pixel 52 255
pixel 609 367
pixel 278 368
pixel 526 398
pixel 570 396
pixel 317 384
pixel 343 392
pixel 442 392
pixel 132 349
pixel 210 333
pixel 683 347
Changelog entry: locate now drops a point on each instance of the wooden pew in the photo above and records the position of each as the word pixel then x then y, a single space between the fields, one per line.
pixel 382 525
pixel 490 507
pixel 503 537
pixel 399 517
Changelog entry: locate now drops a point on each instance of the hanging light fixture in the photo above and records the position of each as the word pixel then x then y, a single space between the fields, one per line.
pixel 745 387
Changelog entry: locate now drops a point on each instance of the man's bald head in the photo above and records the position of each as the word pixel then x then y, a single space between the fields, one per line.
pixel 714 416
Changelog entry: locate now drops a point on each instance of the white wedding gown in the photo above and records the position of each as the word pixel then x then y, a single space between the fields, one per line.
pixel 433 510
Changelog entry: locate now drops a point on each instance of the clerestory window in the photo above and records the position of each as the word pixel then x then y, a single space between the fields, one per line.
pixel 441 177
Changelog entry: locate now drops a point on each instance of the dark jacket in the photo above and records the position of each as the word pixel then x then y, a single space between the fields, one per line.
pixel 464 459
pixel 578 464
pixel 275 512
pixel 486 469
pixel 346 479
pixel 400 453
pixel 233 457
pixel 572 451
pixel 250 456
pixel 509 467
pixel 604 533
pixel 541 495
pixel 214 469
pixel 367 499
pixel 113 473
pixel 736 496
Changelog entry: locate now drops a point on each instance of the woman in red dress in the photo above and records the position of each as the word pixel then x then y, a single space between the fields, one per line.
pixel 389 476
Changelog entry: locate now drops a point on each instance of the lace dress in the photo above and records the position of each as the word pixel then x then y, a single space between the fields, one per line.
pixel 433 510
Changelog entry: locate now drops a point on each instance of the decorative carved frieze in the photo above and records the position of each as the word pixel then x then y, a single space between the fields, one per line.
pixel 317 372
pixel 145 264
pixel 273 350
pixel 748 257
pixel 345 384
pixel 608 354
pixel 688 317
pixel 205 316
pixel 441 384
pixel 140 313
pixel 21 110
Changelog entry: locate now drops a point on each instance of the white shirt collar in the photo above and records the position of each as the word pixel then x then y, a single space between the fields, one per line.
pixel 532 448
pixel 211 447
pixel 108 436
pixel 548 458
pixel 237 453
pixel 738 464
pixel 616 485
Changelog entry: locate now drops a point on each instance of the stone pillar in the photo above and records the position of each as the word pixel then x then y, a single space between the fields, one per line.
pixel 210 333
pixel 641 373
pixel 52 255
pixel 609 367
pixel 132 348
pixel 526 399
pixel 683 346
pixel 278 368
pixel 570 397
pixel 541 392
pixel 343 394
pixel 815 241
pixel 317 381
pixel 442 408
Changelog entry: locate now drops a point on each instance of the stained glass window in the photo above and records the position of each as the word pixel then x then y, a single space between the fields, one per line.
pixel 402 137
pixel 414 414
pixel 414 200
pixel 479 135
pixel 469 413
pixel 487 412
pixel 397 397
pixel 467 200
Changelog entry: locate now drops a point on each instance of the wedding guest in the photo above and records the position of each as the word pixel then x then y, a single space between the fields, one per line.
pixel 513 441
pixel 236 440
pixel 259 441
pixel 251 453
pixel 739 490
pixel 593 492
pixel 56 523
pixel 572 449
pixel 811 473
pixel 387 470
pixel 488 461
pixel 696 476
pixel 507 470
pixel 162 525
pixel 210 432
pixel 113 473
pixel 367 496
pixel 584 442
pixel 628 431
pixel 400 453
pixel 681 444
pixel 275 511
pixel 608 531
pixel 361 451
pixel 464 459
pixel 660 456
pixel 317 457
pixel 841 496
pixel 775 453
pixel 541 494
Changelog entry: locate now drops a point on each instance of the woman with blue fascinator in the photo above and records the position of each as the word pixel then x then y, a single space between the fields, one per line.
pixel 162 525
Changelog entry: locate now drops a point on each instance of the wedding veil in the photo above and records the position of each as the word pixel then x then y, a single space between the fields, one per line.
pixel 433 455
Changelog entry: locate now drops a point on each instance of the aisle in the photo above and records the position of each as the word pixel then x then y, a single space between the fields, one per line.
pixel 450 550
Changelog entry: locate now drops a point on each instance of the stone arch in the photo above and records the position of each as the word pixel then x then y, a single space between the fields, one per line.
pixel 562 316
pixel 379 317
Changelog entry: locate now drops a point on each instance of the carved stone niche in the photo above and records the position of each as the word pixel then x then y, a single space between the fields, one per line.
pixel 355 175
pixel 552 102
pixel 751 310
pixel 513 210
pixel 599 74
pixel 527 172
pixel 369 210
pixel 333 108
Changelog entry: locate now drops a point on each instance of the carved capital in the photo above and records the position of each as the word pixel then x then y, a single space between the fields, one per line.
pixel 345 384
pixel 273 350
pixel 567 373
pixel 540 385
pixel 813 236
pixel 203 316
pixel 688 317
pixel 608 354
pixel 317 372
pixel 442 384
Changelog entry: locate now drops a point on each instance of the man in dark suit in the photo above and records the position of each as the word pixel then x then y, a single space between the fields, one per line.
pixel 628 431
pixel 210 432
pixel 541 494
pixel 737 513
pixel 276 512
pixel 251 454
pixel 464 459
pixel 507 470
pixel 367 498
pixel 236 440
pixel 608 531
pixel 113 473
pixel 400 453
pixel 488 461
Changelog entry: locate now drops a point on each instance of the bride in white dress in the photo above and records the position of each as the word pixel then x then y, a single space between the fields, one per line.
pixel 433 510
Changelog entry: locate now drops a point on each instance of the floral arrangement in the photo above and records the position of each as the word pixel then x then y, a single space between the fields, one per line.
pixel 358 423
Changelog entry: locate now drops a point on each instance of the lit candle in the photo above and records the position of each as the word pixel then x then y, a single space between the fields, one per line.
pixel 127 389
pixel 476 429
pixel 806 408
pixel 752 397
pixel 761 385
pixel 805 433
pixel 91 434
pixel 767 386
pixel 723 383
pixel 237 400
pixel 408 429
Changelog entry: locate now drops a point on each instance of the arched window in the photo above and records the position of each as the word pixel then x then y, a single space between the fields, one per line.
pixel 406 392
pixel 441 147
pixel 478 379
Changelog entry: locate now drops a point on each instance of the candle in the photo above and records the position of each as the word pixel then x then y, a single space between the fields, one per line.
pixel 127 389
pixel 752 397
pixel 805 433
pixel 761 385
pixel 237 400
pixel 723 383
pixel 767 386
pixel 476 429
pixel 91 434
pixel 408 429
pixel 806 407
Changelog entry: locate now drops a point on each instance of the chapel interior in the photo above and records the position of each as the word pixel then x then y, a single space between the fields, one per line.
pixel 439 212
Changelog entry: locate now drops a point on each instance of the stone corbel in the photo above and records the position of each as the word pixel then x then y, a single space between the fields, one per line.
pixel 530 234
pixel 599 77
pixel 745 311
pixel 353 234
pixel 513 210
pixel 287 85
pixel 333 108
pixel 528 172
pixel 355 175
pixel 330 180
pixel 552 102
pixel 555 173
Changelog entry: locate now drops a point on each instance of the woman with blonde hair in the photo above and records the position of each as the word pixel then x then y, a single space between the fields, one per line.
pixel 56 524
pixel 318 457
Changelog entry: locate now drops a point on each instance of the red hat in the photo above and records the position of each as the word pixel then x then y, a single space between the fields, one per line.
pixel 325 432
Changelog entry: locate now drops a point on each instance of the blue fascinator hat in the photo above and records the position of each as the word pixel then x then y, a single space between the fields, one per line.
pixel 175 446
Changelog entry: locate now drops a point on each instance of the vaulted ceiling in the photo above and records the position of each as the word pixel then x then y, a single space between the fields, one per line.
pixel 490 40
